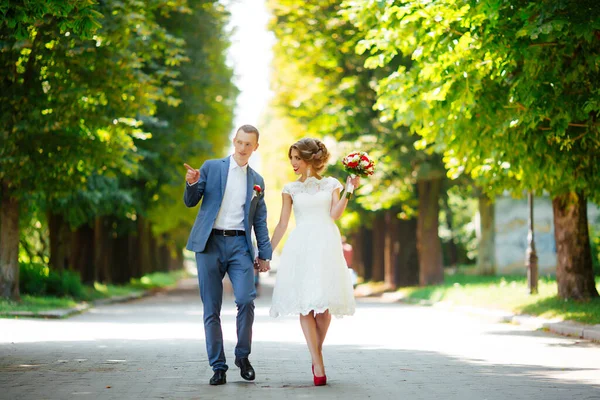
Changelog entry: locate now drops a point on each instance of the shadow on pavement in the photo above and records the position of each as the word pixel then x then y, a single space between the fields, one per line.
pixel 174 369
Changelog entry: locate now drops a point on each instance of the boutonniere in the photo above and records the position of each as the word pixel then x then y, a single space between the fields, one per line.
pixel 257 191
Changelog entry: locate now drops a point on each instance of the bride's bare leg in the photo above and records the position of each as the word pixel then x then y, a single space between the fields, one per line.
pixel 309 328
pixel 323 320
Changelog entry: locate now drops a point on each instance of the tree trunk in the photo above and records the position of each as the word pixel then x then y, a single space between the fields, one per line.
pixel 377 273
pixel 175 257
pixel 120 259
pixel 486 258
pixel 178 260
pixel 408 256
pixel 133 255
pixel 60 240
pixel 144 246
pixel 154 259
pixel 431 269
pixel 82 253
pixel 358 245
pixel 367 251
pixel 167 254
pixel 574 269
pixel 9 245
pixel 164 257
pixel 392 248
pixel 102 257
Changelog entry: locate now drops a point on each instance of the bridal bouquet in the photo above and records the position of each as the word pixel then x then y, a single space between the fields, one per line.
pixel 356 164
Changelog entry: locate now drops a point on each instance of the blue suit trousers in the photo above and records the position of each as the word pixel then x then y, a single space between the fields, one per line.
pixel 226 255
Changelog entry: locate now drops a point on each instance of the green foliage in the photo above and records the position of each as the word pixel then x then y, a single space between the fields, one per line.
pixel 100 105
pixel 198 128
pixel 33 278
pixel 505 88
pixel 39 280
pixel 78 15
pixel 327 89
pixel 75 91
pixel 50 100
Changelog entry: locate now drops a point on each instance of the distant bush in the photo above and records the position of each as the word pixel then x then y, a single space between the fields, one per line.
pixel 39 280
pixel 33 279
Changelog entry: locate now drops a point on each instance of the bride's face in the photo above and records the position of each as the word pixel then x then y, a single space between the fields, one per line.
pixel 300 166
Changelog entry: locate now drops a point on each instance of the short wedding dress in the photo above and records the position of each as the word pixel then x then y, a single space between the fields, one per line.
pixel 312 274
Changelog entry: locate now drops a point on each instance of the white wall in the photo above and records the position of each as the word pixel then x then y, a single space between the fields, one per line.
pixel 511 234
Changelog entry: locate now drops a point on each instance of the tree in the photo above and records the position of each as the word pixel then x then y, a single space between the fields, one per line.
pixel 327 89
pixel 72 97
pixel 129 224
pixel 198 128
pixel 27 113
pixel 505 89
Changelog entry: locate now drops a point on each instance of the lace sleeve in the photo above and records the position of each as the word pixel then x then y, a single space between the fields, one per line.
pixel 286 189
pixel 335 184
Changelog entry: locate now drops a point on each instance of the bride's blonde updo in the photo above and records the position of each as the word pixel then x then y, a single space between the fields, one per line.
pixel 312 151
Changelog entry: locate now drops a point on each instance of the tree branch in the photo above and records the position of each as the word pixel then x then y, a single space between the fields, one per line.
pixel 580 136
pixel 543 44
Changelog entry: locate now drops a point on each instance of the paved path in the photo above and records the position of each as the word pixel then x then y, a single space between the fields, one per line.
pixel 153 349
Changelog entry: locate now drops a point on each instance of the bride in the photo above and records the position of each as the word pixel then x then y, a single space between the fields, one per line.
pixel 313 279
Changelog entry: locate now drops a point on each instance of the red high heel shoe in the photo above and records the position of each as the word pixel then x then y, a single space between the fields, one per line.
pixel 319 380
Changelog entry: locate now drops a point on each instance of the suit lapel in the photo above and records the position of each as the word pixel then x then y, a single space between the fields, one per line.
pixel 249 189
pixel 224 175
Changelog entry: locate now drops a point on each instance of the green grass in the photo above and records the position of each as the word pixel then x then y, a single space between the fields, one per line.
pixel 158 280
pixel 98 291
pixel 36 304
pixel 508 293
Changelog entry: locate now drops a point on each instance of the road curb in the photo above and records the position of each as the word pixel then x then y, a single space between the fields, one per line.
pixel 568 328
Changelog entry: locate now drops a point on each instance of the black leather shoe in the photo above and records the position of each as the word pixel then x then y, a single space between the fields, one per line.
pixel 246 370
pixel 218 378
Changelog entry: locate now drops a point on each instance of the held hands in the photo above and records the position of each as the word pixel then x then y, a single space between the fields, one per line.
pixel 262 265
pixel 192 175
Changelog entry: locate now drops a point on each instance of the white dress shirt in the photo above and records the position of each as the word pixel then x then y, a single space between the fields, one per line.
pixel 231 213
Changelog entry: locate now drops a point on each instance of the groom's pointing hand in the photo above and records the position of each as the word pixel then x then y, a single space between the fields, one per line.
pixel 192 175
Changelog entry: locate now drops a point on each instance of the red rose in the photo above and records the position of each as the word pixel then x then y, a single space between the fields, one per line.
pixel 257 189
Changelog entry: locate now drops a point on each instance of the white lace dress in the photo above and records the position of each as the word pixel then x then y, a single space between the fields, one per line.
pixel 312 274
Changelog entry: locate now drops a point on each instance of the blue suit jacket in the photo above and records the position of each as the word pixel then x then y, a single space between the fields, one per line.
pixel 211 189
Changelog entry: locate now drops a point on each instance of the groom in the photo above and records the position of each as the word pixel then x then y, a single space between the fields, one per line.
pixel 233 204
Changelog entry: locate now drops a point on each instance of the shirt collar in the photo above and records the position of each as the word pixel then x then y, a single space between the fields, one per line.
pixel 234 165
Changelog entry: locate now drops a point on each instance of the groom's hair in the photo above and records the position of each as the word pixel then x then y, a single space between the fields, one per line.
pixel 249 129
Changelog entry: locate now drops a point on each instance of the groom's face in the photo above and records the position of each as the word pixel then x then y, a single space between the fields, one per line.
pixel 245 144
